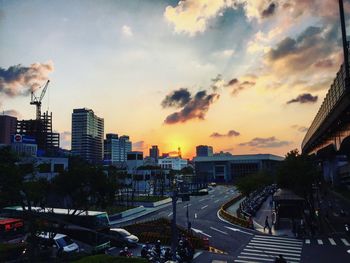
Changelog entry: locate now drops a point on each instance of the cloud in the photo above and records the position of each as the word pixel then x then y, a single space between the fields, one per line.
pixel 304 98
pixel 270 142
pixel 237 86
pixel 196 108
pixel 299 128
pixel 65 139
pixel 12 113
pixel 269 11
pixel 226 53
pixel 193 16
pixel 314 47
pixel 19 80
pixel 178 98
pixel 217 82
pixel 139 146
pixel 127 31
pixel 230 133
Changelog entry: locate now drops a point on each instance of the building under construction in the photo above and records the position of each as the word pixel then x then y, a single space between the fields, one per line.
pixel 41 129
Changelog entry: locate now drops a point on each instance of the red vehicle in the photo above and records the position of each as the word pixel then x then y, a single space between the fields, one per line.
pixel 11 229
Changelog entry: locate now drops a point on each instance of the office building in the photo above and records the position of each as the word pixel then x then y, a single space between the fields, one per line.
pixel 226 167
pixel 24 146
pixel 116 149
pixel 7 128
pixel 204 150
pixel 154 152
pixel 87 135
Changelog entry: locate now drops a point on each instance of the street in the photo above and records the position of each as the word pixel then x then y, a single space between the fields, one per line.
pixel 235 244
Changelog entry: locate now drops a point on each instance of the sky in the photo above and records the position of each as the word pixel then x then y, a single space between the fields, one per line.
pixel 242 76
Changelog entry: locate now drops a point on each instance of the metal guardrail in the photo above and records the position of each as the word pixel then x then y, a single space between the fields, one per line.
pixel 231 218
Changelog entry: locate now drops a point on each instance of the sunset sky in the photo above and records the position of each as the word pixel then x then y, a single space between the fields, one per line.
pixel 242 76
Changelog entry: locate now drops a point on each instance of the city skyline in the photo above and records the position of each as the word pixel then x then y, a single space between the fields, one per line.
pixel 241 78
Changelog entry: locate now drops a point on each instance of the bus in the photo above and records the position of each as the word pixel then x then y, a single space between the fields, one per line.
pixel 90 227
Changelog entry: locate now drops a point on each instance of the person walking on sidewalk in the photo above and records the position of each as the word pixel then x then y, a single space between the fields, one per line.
pixel 267 225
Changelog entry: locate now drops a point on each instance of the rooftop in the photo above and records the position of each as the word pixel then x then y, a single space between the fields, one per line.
pixel 246 157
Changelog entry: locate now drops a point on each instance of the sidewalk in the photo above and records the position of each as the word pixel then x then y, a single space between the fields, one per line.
pixel 285 228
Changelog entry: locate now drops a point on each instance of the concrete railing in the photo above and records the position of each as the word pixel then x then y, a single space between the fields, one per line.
pixel 231 218
pixel 127 213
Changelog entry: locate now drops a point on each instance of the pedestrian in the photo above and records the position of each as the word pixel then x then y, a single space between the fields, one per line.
pixel 273 218
pixel 280 259
pixel 267 225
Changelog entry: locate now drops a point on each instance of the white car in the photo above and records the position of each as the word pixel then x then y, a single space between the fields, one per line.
pixel 62 242
pixel 123 237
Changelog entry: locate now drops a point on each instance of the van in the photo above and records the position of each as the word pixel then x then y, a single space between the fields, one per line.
pixel 63 243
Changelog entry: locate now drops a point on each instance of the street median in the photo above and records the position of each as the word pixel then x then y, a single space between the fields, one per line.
pixel 232 218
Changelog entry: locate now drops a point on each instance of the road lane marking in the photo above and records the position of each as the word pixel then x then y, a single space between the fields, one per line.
pixel 195 215
pixel 238 230
pixel 296 242
pixel 218 230
pixel 216 201
pixel 204 207
pixel 270 252
pixel 331 240
pixel 264 259
pixel 274 246
pixel 202 199
pixel 200 231
pixel 307 241
pixel 170 214
pixel 279 238
pixel 197 254
pixel 346 243
pixel 319 241
pixel 188 205
pixel 261 254
pixel 277 241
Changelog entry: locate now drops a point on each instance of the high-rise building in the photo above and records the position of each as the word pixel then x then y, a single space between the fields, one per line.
pixel 7 128
pixel 154 152
pixel 87 135
pixel 204 150
pixel 116 148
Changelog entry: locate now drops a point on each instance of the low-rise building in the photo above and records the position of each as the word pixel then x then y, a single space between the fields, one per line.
pixel 227 167
pixel 174 163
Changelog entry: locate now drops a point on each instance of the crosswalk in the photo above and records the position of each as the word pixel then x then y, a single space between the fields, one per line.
pixel 263 249
pixel 328 241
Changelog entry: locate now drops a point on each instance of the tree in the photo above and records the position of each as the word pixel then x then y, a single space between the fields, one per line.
pixel 249 183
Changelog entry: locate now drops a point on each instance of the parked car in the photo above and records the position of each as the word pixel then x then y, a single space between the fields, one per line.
pixel 120 238
pixel 63 243
pixel 213 184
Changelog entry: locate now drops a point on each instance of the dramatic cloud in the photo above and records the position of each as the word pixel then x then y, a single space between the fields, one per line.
pixel 217 82
pixel 65 140
pixel 270 142
pixel 193 16
pixel 196 108
pixel 299 128
pixel 304 98
pixel 177 98
pixel 12 113
pixel 315 46
pixel 126 30
pixel 237 86
pixel 230 133
pixel 19 80
pixel 139 146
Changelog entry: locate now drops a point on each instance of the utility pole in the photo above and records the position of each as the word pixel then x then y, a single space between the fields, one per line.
pixel 345 44
pixel 174 198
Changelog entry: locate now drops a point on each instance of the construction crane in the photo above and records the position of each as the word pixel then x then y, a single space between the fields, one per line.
pixel 37 101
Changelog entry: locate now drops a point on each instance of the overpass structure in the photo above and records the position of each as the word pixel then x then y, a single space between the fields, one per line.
pixel 329 133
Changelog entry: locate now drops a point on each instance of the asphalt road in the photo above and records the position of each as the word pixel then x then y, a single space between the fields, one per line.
pixel 203 215
pixel 244 245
